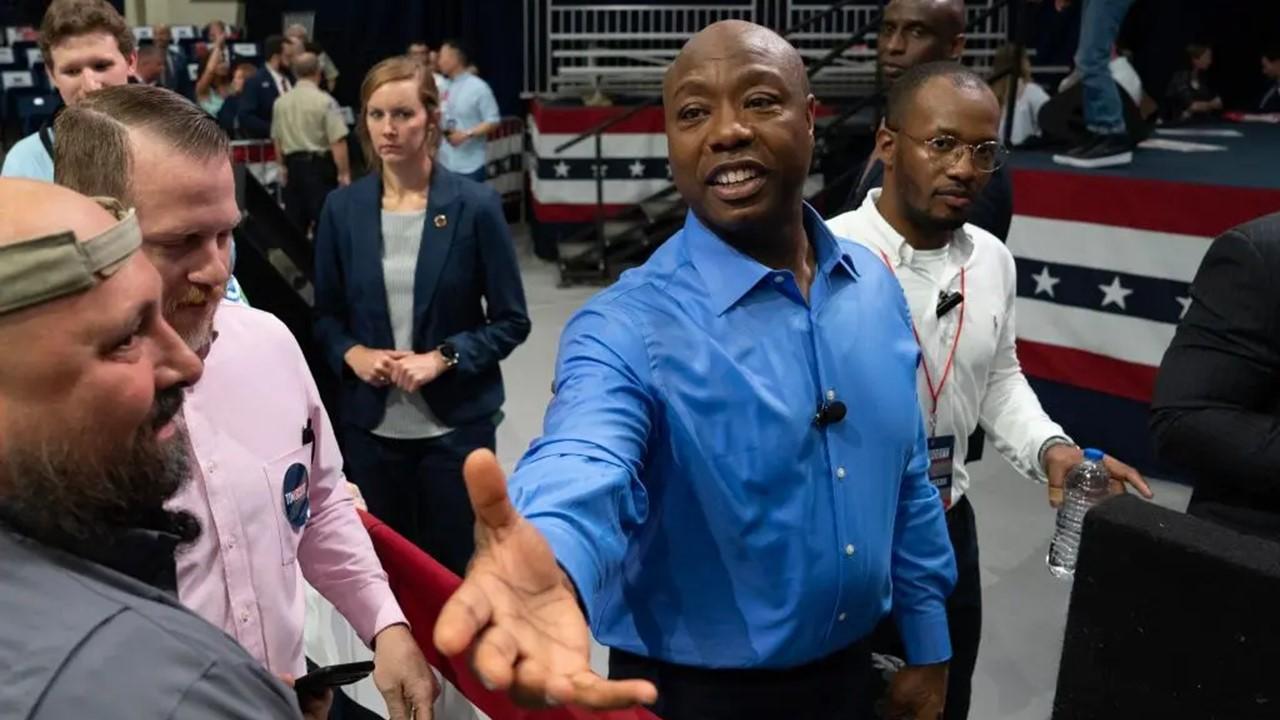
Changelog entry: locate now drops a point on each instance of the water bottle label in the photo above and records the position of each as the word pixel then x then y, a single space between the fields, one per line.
pixel 942 450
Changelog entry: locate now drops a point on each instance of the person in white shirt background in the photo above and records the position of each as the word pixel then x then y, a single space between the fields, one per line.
pixel 939 144
pixel 1029 96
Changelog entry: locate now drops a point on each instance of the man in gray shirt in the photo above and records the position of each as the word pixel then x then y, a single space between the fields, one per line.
pixel 91 382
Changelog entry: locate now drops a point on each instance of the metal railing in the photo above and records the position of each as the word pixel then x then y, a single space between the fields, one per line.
pixel 836 32
pixel 625 47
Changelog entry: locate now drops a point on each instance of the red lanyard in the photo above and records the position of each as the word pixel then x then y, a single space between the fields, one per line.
pixel 935 392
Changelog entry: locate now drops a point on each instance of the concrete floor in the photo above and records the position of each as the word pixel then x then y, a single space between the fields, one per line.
pixel 1024 606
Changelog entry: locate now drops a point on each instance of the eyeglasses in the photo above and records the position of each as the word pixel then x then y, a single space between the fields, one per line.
pixel 946 150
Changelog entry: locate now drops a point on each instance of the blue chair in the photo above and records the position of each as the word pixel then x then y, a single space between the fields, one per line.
pixel 13 83
pixel 35 109
pixel 24 52
pixel 41 77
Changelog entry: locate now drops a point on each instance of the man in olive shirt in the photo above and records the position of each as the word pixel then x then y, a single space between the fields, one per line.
pixel 90 388
pixel 311 143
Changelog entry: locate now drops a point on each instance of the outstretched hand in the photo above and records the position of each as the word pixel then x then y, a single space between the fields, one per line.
pixel 518 612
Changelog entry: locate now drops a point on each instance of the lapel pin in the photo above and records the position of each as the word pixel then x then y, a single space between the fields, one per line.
pixel 441 221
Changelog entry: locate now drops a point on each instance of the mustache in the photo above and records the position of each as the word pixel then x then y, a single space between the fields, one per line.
pixel 167 405
pixel 198 295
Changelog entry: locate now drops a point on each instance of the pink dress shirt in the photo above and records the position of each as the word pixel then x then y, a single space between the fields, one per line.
pixel 245 574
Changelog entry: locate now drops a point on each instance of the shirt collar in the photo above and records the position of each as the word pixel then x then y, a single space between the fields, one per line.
pixel 144 554
pixel 729 274
pixel 890 242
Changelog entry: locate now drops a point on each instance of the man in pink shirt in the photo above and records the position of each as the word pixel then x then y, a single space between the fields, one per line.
pixel 267 486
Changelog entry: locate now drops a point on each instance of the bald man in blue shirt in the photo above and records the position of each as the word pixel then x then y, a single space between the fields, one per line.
pixel 733 482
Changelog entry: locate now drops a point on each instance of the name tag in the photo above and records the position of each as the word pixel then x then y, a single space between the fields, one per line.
pixel 942 452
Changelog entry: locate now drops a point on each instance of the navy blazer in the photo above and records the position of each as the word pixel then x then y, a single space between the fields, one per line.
pixel 466 257
pixel 257 101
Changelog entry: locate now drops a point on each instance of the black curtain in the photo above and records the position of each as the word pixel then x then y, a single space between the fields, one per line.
pixel 357 34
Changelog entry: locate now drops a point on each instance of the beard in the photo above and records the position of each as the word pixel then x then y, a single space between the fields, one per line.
pixel 63 491
pixel 923 220
pixel 198 335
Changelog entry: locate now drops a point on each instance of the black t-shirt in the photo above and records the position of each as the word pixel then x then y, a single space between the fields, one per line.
pixel 992 209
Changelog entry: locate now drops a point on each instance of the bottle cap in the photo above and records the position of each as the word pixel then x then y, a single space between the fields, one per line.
pixel 1093 455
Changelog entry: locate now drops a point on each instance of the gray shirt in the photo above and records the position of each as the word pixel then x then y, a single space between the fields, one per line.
pixel 79 639
pixel 407 415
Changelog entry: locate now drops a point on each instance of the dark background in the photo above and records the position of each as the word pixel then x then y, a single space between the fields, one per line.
pixel 358 33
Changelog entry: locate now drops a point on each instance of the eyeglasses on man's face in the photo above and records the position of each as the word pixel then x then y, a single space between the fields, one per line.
pixel 947 150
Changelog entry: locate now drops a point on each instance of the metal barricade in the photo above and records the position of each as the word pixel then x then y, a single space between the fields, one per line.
pixel 259 158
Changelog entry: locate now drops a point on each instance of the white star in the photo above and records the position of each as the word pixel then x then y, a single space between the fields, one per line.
pixel 1115 293
pixel 562 169
pixel 1045 282
pixel 1185 302
pixel 637 169
pixel 600 169
pixel 668 170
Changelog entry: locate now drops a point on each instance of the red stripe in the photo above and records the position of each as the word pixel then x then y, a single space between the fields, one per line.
pixel 1158 205
pixel 577 120
pixel 1087 370
pixel 572 213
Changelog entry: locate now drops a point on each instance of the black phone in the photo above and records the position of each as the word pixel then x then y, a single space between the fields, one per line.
pixel 315 682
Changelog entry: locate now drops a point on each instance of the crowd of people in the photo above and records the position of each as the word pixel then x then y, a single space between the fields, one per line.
pixel 740 497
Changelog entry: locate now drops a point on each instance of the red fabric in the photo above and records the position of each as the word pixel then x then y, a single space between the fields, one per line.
pixel 1087 370
pixel 1156 205
pixel 422 585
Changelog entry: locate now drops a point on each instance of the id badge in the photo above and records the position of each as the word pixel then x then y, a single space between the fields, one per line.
pixel 942 450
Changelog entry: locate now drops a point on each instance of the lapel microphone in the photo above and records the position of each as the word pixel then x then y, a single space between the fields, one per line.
pixel 948 301
pixel 830 413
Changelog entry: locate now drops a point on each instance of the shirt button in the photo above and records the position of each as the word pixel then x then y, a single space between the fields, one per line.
pixel 231 543
pixel 840 617
pixel 778 278
pixel 211 467
pixel 849 550
pixel 831 395
pixel 840 473
pixel 244 616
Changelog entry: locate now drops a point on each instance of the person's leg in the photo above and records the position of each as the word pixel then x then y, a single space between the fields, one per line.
pixel 294 193
pixel 387 473
pixel 323 179
pixel 832 688
pixel 964 609
pixel 448 523
pixel 1099 24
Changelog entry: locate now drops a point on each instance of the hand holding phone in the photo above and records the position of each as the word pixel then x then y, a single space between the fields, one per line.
pixel 316 682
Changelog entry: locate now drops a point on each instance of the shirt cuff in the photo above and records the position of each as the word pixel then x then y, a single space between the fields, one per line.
pixel 574 557
pixel 925 636
pixel 382 611
pixel 1056 439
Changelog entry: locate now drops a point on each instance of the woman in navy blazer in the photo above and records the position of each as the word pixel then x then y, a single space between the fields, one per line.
pixel 418 296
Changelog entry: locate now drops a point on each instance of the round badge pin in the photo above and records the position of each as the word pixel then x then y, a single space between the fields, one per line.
pixel 297 500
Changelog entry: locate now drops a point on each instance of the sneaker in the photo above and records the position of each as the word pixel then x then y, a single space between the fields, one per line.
pixel 1102 151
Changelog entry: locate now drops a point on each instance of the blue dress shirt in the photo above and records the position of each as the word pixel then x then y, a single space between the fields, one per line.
pixel 682 483
pixel 468 101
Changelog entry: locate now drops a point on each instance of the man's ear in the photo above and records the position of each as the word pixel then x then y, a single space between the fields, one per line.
pixel 957 47
pixel 811 112
pixel 886 142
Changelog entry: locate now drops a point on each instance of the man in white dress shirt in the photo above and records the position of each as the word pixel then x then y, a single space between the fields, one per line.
pixel 940 145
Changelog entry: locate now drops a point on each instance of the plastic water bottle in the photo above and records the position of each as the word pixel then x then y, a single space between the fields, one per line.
pixel 1087 485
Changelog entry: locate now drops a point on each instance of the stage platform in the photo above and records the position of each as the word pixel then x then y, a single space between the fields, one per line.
pixel 1105 259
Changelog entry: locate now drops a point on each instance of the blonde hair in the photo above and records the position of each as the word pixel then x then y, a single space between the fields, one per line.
pixel 391 70
pixel 92 153
pixel 1005 57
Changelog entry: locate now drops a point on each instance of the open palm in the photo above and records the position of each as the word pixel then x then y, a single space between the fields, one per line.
pixel 519 613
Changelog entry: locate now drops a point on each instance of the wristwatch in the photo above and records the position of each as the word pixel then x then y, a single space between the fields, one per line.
pixel 450 355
